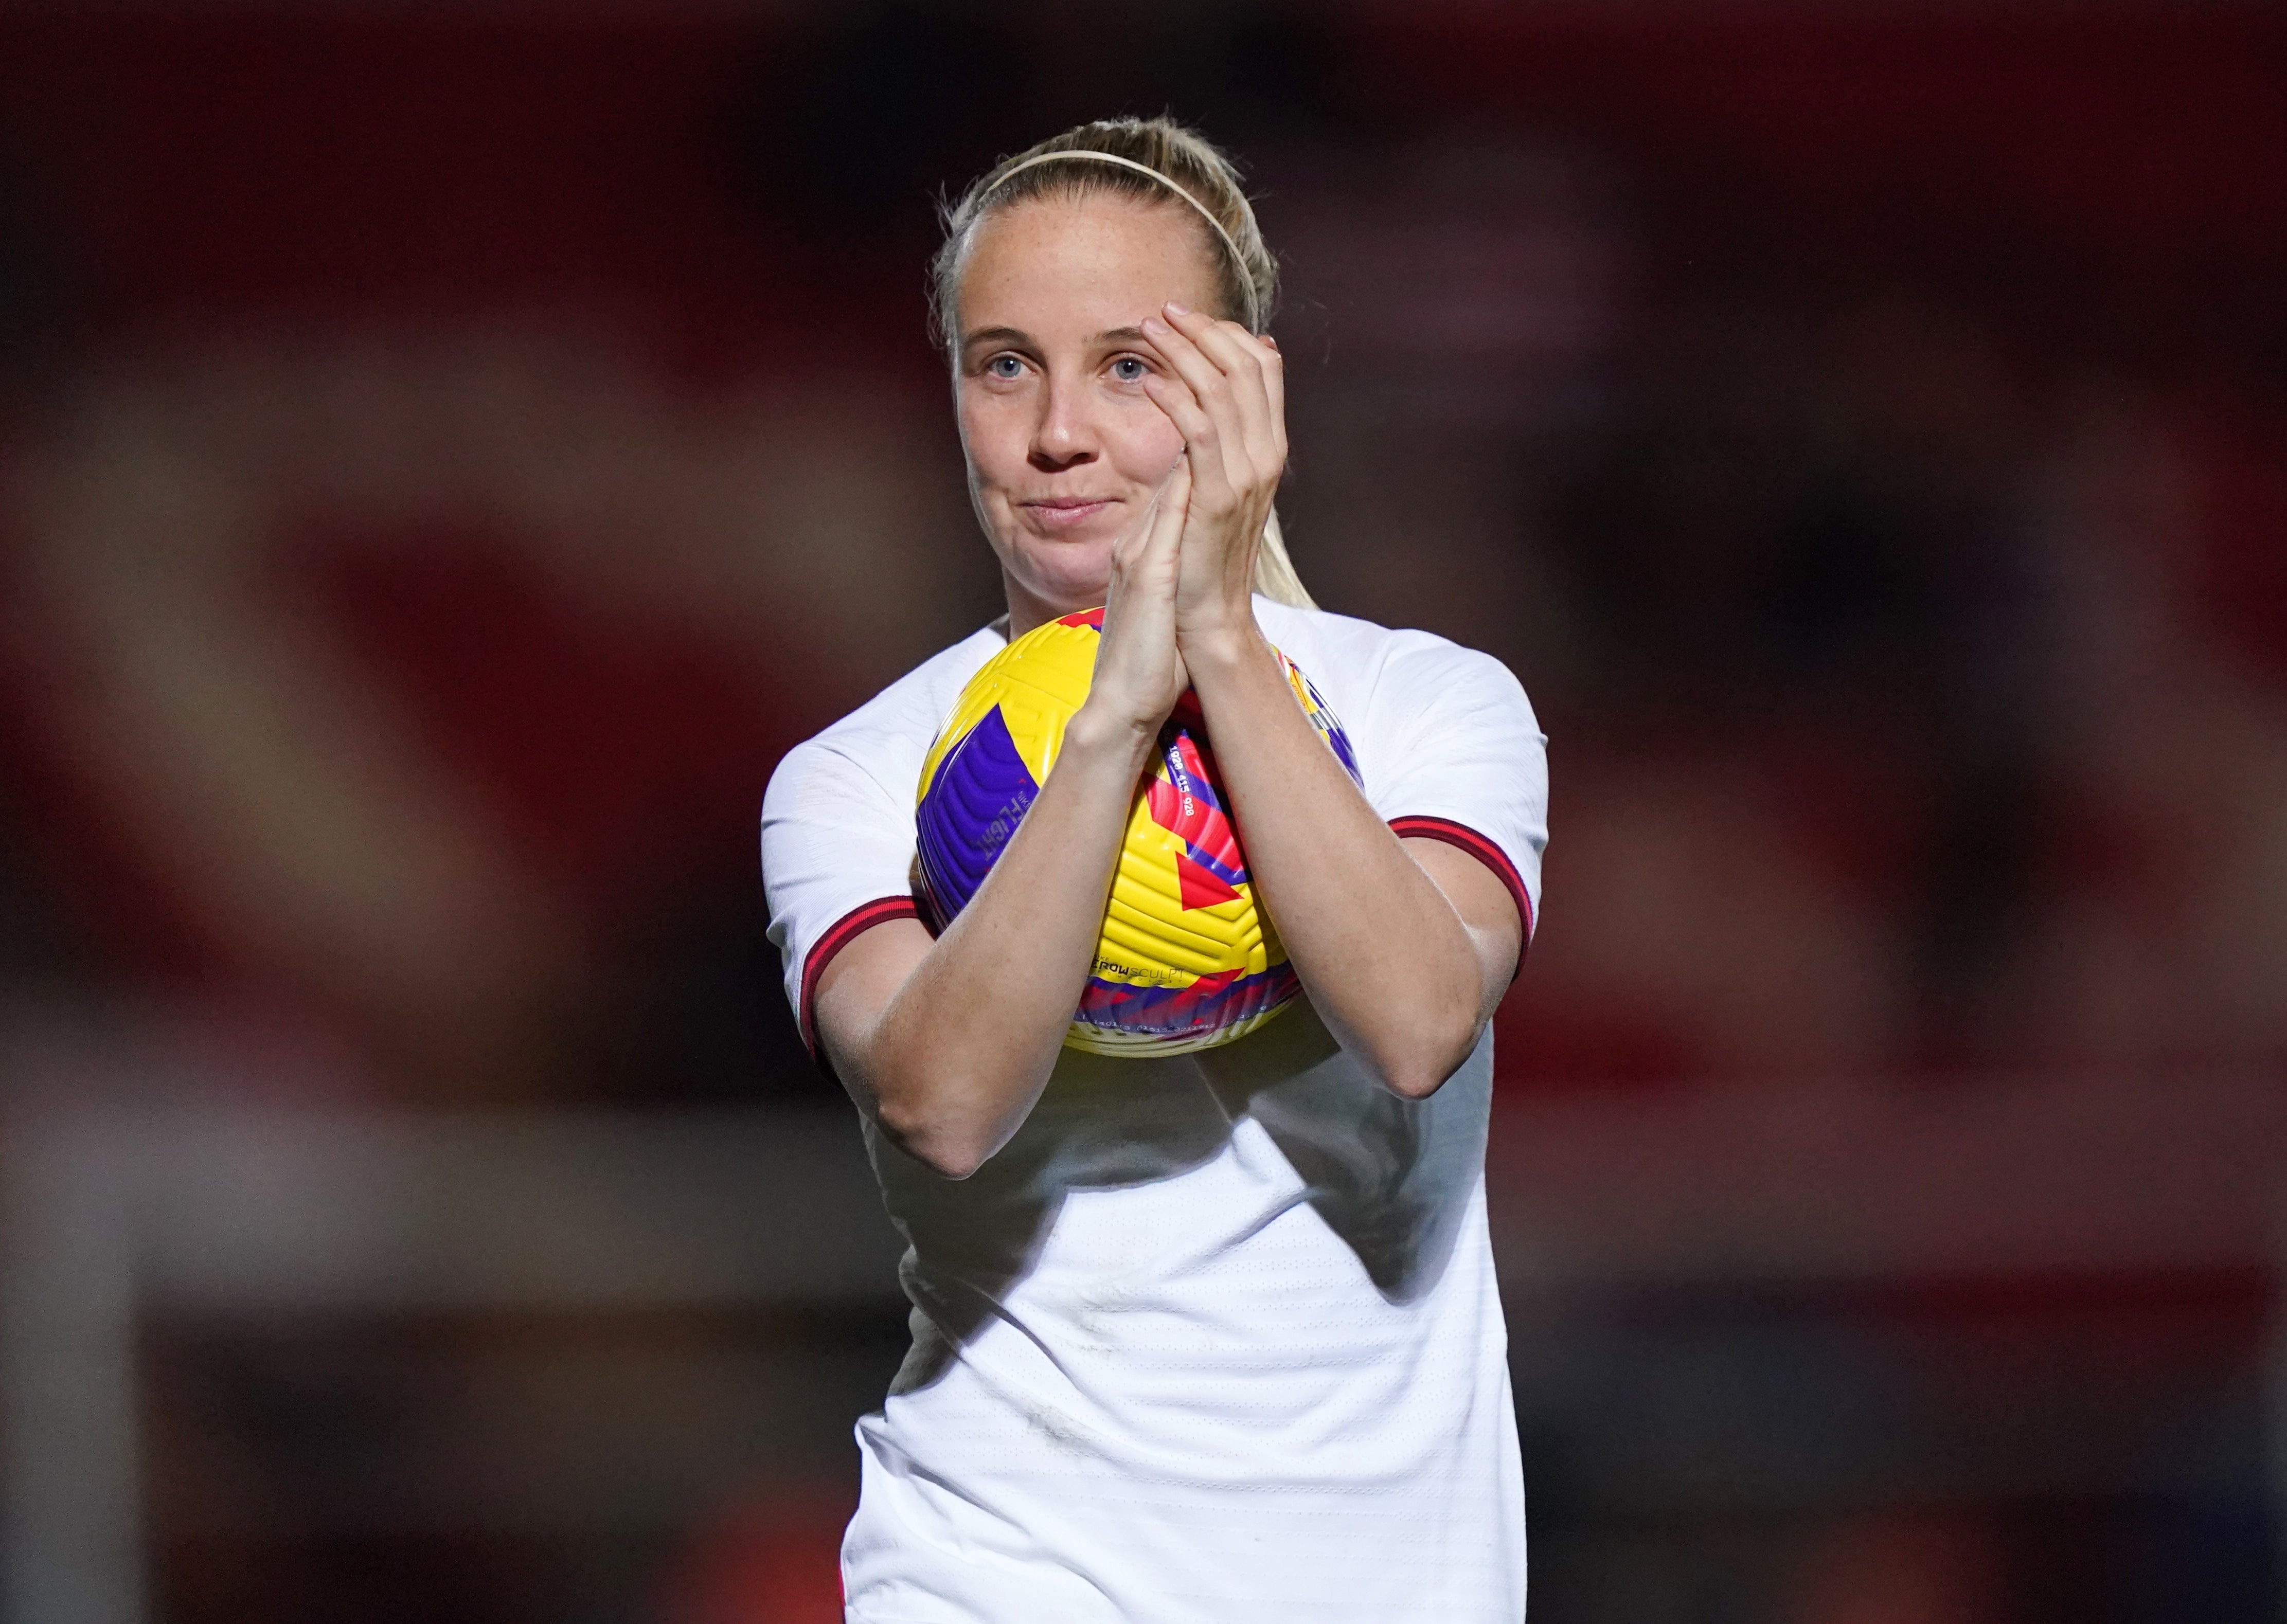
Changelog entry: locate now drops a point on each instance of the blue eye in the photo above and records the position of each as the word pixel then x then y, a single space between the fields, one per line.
pixel 1004 366
pixel 1127 369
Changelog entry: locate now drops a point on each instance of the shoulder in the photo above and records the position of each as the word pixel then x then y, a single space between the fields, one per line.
pixel 882 742
pixel 1447 746
pixel 1366 669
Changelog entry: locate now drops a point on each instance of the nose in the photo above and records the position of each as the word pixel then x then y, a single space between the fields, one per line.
pixel 1064 434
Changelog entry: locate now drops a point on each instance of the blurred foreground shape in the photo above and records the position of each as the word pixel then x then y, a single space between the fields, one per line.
pixel 1816 1314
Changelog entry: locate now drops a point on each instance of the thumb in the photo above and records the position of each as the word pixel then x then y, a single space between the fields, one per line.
pixel 1138 537
pixel 1172 506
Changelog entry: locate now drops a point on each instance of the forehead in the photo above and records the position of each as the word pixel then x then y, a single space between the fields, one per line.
pixel 1101 258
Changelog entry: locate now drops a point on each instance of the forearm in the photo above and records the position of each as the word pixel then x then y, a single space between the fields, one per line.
pixel 1389 964
pixel 956 1057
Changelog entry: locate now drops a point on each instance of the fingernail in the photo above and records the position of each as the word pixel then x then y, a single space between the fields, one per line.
pixel 1180 309
pixel 1152 324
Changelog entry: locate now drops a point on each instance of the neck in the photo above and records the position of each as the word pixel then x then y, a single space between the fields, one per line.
pixel 1027 610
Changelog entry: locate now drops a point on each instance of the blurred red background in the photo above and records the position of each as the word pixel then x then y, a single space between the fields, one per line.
pixel 448 457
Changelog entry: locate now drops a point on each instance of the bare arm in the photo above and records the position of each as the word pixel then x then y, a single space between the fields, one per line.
pixel 1405 947
pixel 949 1042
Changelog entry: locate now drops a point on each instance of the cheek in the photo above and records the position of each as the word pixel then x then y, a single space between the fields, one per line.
pixel 1145 444
pixel 994 440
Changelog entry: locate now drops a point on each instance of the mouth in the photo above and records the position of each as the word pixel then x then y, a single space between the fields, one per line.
pixel 1065 512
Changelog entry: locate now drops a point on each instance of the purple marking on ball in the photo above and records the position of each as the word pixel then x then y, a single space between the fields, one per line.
pixel 981 791
pixel 1208 1005
pixel 1322 718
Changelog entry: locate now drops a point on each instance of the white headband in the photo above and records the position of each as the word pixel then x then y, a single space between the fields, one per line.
pixel 1087 154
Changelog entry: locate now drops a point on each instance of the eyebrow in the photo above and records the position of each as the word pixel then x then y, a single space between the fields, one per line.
pixel 1017 336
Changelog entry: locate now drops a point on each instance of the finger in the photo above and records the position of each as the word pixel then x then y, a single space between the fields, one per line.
pixel 1208 477
pixel 1240 355
pixel 1249 431
pixel 1162 523
pixel 1212 390
pixel 1174 508
pixel 1243 362
pixel 1274 385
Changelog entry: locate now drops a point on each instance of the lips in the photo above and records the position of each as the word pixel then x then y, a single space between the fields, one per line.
pixel 1065 512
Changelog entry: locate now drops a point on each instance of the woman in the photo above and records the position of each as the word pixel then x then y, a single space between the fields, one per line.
pixel 1213 1337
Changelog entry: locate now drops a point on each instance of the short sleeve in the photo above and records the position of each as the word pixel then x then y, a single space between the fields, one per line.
pixel 837 860
pixel 1457 755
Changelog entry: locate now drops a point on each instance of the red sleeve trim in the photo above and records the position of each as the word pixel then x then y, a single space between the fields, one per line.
pixel 1480 847
pixel 838 936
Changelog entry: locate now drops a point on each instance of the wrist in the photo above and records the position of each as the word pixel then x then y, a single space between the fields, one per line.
pixel 1214 651
pixel 1104 732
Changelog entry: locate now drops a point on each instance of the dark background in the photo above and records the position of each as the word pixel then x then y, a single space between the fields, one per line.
pixel 447 454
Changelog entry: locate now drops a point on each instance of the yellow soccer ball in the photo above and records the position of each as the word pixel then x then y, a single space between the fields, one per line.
pixel 1186 959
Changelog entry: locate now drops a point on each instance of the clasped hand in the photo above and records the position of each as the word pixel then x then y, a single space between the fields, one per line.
pixel 1183 580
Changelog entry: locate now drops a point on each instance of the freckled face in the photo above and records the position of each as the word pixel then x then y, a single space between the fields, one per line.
pixel 1065 451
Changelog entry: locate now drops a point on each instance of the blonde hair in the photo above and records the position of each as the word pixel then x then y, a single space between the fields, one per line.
pixel 1145 159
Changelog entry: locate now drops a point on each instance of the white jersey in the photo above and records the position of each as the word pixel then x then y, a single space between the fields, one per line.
pixel 1214 1338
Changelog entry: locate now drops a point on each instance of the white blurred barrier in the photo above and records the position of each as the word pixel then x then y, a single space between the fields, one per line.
pixel 109 1213
pixel 1958 1179
pixel 227 1211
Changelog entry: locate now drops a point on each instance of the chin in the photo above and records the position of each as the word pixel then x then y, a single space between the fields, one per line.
pixel 1069 576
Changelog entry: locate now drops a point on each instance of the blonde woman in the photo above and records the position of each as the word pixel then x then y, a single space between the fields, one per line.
pixel 1210 1337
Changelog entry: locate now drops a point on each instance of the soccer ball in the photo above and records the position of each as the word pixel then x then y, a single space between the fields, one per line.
pixel 1186 961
